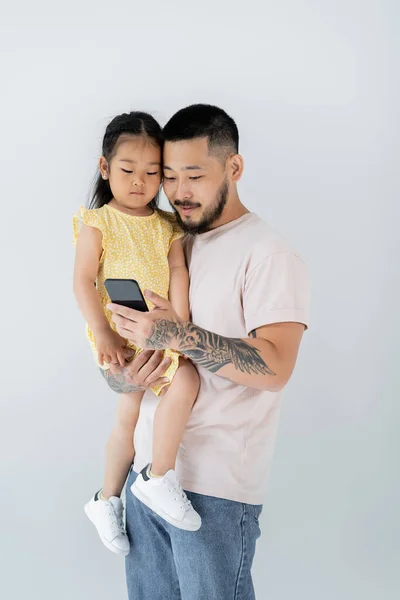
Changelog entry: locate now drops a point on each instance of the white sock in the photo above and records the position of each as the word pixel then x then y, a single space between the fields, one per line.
pixel 150 474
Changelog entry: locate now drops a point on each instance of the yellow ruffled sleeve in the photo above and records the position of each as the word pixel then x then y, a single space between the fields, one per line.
pixel 177 233
pixel 172 231
pixel 93 218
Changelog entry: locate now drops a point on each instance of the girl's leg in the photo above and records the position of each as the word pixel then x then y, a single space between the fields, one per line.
pixel 120 450
pixel 171 416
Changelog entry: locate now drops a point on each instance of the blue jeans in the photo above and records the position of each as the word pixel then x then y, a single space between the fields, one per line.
pixel 214 563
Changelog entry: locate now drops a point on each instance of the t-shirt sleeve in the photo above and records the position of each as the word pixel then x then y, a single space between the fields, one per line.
pixel 93 218
pixel 277 290
pixel 176 234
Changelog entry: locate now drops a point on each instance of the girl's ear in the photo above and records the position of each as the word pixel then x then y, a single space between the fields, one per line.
pixel 103 166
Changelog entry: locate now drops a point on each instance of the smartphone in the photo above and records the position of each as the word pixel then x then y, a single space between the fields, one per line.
pixel 126 292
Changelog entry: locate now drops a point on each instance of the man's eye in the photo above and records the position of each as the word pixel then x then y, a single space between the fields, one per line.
pixel 196 178
pixel 125 171
pixel 169 178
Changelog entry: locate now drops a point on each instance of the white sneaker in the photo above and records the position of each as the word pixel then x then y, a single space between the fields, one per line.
pixel 165 496
pixel 107 517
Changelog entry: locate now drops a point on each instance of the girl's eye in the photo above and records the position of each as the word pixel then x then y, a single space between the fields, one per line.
pixel 155 173
pixel 125 171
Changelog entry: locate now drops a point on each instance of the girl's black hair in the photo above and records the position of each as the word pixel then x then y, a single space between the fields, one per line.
pixel 133 123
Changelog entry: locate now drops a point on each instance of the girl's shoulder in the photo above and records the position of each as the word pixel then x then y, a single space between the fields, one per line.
pixel 170 224
pixel 93 217
pixel 168 217
pixel 90 214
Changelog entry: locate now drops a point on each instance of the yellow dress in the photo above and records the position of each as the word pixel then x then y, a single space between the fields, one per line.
pixel 133 248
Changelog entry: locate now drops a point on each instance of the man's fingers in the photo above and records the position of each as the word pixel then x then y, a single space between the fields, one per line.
pixel 125 312
pixel 122 325
pixel 150 365
pixel 128 353
pixel 121 321
pixel 126 333
pixel 157 300
pixel 115 369
pixel 141 359
pixel 148 368
pixel 121 358
pixel 100 358
pixel 158 372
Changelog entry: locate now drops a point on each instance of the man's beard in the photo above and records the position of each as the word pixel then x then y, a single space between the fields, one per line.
pixel 211 215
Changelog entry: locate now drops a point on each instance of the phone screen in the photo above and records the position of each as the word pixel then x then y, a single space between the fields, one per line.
pixel 127 293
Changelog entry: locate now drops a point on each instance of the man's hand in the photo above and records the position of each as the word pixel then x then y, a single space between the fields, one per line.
pixel 147 369
pixel 154 330
pixel 142 373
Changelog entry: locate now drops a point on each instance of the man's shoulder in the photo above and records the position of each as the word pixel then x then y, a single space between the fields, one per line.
pixel 263 240
pixel 252 239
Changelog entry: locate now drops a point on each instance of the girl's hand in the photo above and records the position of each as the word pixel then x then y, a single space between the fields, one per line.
pixel 112 348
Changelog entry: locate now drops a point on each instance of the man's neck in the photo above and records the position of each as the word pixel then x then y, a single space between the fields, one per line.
pixel 233 210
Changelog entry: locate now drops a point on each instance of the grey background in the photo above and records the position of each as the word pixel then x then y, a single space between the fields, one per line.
pixel 314 88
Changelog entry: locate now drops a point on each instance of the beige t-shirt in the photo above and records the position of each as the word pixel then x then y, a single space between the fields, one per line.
pixel 243 275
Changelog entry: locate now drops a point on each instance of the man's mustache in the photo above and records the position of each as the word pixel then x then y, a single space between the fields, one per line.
pixel 185 204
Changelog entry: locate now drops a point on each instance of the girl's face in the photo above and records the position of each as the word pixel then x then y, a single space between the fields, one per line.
pixel 134 171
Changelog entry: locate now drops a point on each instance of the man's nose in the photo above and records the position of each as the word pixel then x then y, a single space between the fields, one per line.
pixel 183 192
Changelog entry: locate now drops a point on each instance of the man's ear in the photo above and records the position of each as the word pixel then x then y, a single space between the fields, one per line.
pixel 103 166
pixel 235 166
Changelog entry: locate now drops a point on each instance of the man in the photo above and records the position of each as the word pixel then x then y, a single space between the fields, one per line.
pixel 249 297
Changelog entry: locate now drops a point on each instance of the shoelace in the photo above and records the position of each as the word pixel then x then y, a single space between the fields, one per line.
pixel 179 494
pixel 117 522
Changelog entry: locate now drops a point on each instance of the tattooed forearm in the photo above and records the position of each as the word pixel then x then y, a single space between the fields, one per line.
pixel 210 350
pixel 119 383
pixel 163 332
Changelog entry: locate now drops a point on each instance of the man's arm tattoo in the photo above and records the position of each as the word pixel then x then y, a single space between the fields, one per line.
pixel 119 383
pixel 210 350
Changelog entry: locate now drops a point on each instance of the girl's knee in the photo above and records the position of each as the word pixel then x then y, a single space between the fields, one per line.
pixel 188 369
pixel 188 377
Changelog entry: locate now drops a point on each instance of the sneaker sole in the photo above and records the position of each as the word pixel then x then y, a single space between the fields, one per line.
pixel 103 539
pixel 147 501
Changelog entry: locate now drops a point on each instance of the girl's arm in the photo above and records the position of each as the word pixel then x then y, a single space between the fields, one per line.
pixel 111 347
pixel 179 280
pixel 87 258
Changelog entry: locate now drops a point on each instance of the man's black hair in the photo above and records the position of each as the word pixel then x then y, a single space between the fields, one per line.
pixel 204 121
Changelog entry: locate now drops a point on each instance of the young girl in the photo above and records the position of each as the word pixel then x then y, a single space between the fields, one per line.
pixel 125 236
